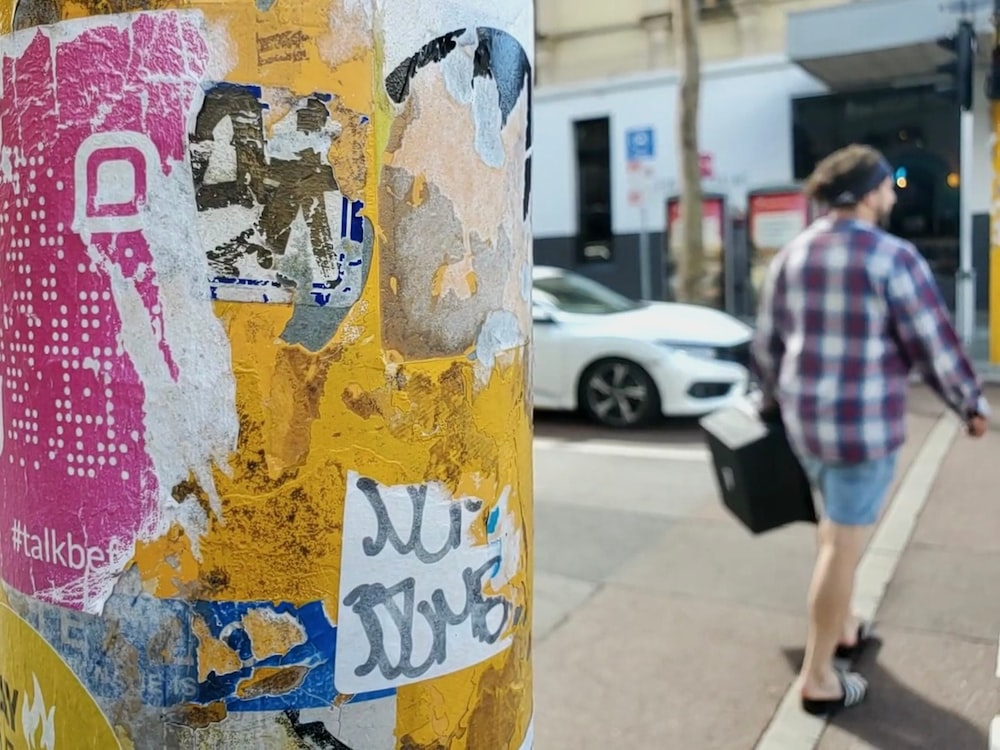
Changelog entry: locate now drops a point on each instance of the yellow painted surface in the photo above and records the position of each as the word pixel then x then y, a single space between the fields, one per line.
pixel 43 705
pixel 994 312
pixel 272 634
pixel 214 656
pixel 307 418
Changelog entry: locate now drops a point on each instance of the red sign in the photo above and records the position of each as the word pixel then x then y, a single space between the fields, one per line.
pixel 711 214
pixel 705 165
pixel 640 175
pixel 775 219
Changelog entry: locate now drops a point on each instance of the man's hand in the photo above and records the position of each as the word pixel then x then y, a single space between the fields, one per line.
pixel 770 410
pixel 976 426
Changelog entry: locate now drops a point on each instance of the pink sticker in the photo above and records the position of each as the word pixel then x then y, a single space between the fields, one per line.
pixel 87 120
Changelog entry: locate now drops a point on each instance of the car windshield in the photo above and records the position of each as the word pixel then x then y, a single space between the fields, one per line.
pixel 577 294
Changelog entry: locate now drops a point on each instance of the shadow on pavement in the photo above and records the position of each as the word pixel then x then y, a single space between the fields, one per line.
pixel 576 428
pixel 893 717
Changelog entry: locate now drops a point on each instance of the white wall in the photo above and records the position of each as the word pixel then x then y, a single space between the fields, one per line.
pixel 745 124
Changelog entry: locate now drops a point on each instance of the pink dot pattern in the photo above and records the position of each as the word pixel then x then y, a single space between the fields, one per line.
pixel 73 462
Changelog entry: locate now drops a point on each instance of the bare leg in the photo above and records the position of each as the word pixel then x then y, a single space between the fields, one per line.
pixel 851 621
pixel 829 605
pixel 849 637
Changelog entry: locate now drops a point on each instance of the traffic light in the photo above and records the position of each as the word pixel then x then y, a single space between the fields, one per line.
pixel 962 44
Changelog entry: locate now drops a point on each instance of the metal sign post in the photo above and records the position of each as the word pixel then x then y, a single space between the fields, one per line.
pixel 965 292
pixel 961 71
pixel 640 147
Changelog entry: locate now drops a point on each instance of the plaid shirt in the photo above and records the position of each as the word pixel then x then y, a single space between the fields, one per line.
pixel 846 312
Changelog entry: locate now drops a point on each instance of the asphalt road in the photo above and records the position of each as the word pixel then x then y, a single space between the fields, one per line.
pixel 570 426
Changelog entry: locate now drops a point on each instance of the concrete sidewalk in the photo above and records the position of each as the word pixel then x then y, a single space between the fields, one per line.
pixel 693 641
pixel 933 680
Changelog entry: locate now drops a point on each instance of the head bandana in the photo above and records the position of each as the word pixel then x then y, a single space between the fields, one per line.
pixel 865 185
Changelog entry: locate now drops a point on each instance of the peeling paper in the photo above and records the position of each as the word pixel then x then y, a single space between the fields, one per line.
pixel 475 85
pixel 272 216
pixel 394 22
pixel 501 332
pixel 191 424
pixel 104 302
pixel 190 392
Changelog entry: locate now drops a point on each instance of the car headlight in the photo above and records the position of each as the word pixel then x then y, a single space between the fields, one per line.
pixel 692 350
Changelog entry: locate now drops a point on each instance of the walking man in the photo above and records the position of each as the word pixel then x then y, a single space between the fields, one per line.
pixel 847 311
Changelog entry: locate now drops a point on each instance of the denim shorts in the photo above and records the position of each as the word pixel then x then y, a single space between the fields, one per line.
pixel 853 494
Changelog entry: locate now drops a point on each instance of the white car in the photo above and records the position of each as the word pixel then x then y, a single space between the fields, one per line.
pixel 625 363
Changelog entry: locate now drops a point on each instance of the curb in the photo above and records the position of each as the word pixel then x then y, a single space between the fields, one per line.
pixel 790 727
pixel 994 736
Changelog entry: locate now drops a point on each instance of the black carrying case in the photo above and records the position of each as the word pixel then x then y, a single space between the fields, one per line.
pixel 758 475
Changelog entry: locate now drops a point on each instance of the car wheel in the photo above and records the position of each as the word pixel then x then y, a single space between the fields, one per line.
pixel 618 393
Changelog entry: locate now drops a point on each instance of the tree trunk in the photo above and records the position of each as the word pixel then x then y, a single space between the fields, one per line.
pixel 691 284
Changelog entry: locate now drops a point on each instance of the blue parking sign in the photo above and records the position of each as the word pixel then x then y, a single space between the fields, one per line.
pixel 639 144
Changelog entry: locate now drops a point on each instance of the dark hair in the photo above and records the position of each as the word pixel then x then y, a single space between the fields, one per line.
pixel 844 177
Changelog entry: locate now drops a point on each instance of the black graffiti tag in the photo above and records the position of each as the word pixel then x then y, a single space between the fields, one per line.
pixel 314 733
pixel 438 616
pixel 8 703
pixel 415 611
pixel 498 56
pixel 387 532
pixel 281 187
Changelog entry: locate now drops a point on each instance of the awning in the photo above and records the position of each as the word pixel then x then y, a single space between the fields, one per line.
pixel 868 43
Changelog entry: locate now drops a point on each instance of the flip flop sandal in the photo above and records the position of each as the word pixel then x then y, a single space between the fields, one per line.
pixel 855 690
pixel 866 632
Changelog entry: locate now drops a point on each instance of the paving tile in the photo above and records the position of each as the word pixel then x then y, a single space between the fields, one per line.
pixel 922 401
pixel 696 632
pixel 637 669
pixel 927 693
pixel 944 591
pixel 639 485
pixel 720 561
pixel 962 511
pixel 590 544
pixel 556 597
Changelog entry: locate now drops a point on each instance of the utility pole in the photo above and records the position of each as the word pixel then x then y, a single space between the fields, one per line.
pixel 265 428
pixel 961 70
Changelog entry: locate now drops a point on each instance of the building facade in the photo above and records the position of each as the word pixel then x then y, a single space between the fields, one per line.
pixel 783 84
pixel 580 41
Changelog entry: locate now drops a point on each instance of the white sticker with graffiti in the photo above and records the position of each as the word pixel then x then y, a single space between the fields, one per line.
pixel 419 595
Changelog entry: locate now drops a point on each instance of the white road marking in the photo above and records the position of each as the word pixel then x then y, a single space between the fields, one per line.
pixel 995 724
pixel 623 450
pixel 793 729
pixel 998 658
